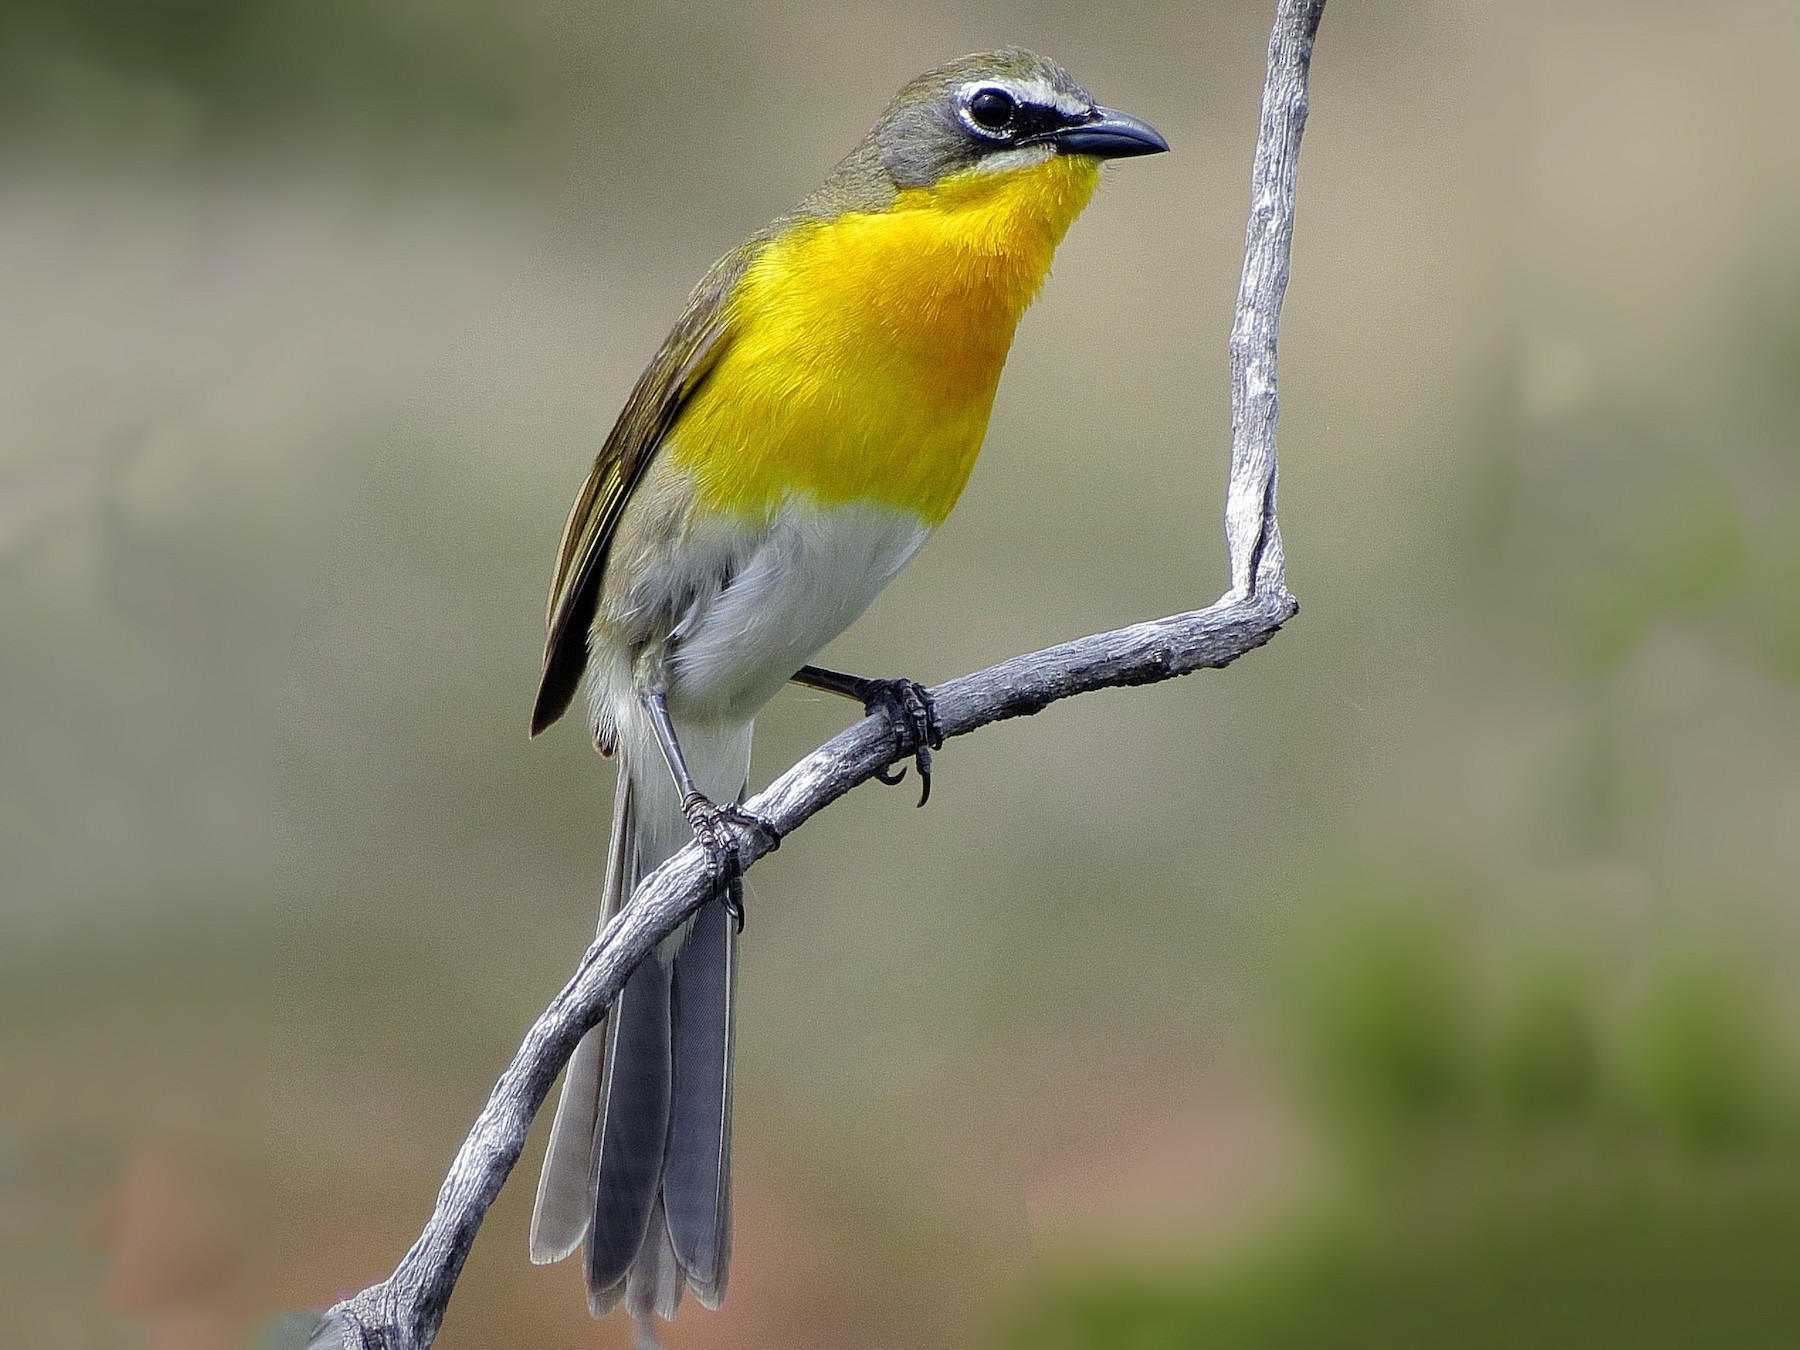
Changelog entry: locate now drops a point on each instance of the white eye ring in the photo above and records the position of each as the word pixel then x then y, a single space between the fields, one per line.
pixel 974 95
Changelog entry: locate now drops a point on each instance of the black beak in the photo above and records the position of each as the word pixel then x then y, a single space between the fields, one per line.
pixel 1111 134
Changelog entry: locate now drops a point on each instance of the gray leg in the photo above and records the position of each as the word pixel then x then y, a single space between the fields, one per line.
pixel 713 823
pixel 658 707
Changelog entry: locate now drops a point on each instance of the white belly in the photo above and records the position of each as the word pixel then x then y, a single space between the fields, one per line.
pixel 808 578
pixel 735 609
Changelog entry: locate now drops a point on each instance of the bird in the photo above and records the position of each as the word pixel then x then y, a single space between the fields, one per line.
pixel 808 423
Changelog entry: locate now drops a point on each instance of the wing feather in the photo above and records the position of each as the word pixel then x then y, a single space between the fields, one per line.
pixel 687 356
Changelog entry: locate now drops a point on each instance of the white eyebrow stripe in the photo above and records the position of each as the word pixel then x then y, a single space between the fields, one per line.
pixel 1032 89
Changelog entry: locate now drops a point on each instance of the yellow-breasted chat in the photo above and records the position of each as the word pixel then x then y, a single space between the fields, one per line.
pixel 811 419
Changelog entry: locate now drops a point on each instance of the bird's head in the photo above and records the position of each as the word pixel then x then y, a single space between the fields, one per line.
pixel 988 113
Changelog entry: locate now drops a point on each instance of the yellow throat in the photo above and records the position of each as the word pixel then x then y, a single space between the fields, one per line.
pixel 865 350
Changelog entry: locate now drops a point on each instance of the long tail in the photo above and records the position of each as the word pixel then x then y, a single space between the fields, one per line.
pixel 639 1161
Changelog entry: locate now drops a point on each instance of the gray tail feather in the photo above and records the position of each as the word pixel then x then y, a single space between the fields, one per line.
pixel 639 1160
pixel 634 1130
pixel 697 1174
pixel 655 1283
pixel 565 1198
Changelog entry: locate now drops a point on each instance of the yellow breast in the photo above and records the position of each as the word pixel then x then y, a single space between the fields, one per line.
pixel 866 349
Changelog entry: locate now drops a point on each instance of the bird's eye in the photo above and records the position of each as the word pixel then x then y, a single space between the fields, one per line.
pixel 992 109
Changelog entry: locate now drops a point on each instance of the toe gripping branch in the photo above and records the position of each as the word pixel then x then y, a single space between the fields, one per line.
pixel 905 705
pixel 715 829
pixel 912 716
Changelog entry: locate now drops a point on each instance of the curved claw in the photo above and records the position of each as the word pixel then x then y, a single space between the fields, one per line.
pixel 912 716
pixel 734 902
pixel 714 828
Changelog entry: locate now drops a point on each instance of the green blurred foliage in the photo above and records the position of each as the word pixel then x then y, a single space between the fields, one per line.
pixel 1679 551
pixel 1774 600
pixel 1651 1266
pixel 1408 1032
pixel 1546 1053
pixel 1702 1066
pixel 215 72
pixel 1636 1189
pixel 1385 1014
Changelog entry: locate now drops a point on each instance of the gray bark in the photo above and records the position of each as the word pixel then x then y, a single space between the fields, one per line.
pixel 403 1312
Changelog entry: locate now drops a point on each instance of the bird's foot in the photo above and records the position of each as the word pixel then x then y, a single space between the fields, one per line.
pixel 717 828
pixel 912 717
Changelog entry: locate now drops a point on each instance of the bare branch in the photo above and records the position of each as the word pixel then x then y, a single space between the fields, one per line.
pixel 404 1311
pixel 1251 534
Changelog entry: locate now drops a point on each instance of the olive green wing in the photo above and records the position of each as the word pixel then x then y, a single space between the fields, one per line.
pixel 687 356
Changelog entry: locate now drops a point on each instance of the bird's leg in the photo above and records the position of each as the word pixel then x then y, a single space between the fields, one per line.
pixel 905 704
pixel 713 823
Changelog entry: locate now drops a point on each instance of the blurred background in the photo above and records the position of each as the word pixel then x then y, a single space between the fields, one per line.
pixel 1426 979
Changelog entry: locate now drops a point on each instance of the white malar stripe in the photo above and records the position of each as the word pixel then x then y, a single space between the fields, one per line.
pixel 1024 157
